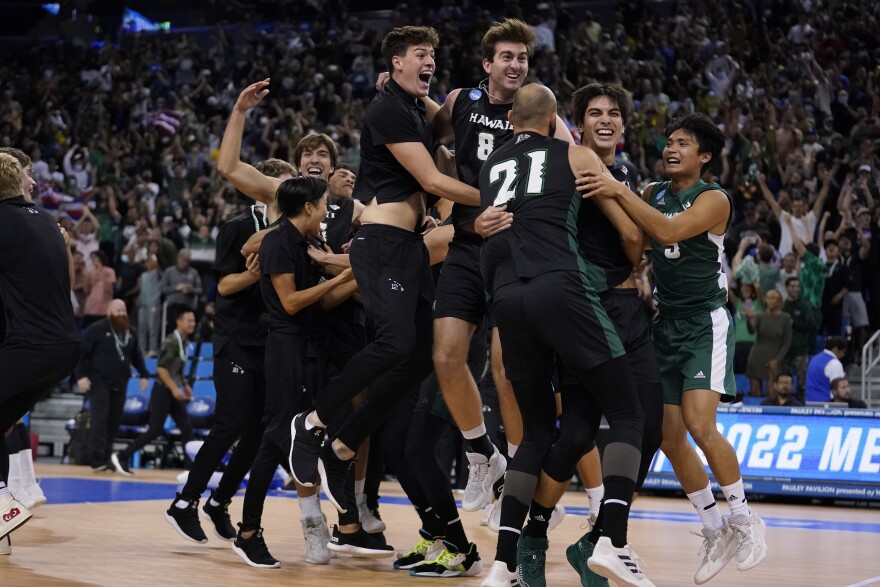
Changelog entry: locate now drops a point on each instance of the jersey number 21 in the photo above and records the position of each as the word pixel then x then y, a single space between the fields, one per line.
pixel 507 172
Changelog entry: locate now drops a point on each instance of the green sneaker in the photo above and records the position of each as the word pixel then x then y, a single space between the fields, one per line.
pixel 531 556
pixel 577 555
pixel 451 563
pixel 426 549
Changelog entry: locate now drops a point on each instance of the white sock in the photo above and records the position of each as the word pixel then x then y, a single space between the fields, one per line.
pixel 511 449
pixel 359 485
pixel 181 503
pixel 3 489
pixel 736 498
pixel 310 507
pixel 308 424
pixel 474 432
pixel 595 494
pixel 214 503
pixel 707 508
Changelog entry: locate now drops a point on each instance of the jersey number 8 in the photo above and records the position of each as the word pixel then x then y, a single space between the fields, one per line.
pixel 486 143
pixel 508 173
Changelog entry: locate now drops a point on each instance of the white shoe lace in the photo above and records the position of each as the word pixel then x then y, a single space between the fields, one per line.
pixel 708 546
pixel 743 533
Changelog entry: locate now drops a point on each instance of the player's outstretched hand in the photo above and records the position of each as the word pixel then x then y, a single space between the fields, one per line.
pixel 252 95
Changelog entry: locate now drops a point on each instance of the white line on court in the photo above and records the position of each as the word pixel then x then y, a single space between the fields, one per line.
pixel 870 581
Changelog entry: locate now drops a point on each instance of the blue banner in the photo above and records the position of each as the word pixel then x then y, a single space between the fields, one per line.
pixel 815 452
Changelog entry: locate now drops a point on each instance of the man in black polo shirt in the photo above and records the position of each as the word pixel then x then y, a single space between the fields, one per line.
pixel 42 340
pixel 390 263
pixel 109 350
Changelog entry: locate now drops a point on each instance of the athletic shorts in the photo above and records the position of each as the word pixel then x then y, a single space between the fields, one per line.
pixel 695 353
pixel 461 292
pixel 630 317
pixel 556 312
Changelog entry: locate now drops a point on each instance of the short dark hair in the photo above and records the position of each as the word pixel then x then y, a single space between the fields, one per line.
pixel 510 30
pixel 615 92
pixel 345 167
pixel 102 256
pixel 765 253
pixel 782 374
pixel 709 137
pixel 396 42
pixel 181 311
pixel 835 383
pixel 835 342
pixel 313 142
pixel 293 194
pixel 831 241
pixel 790 279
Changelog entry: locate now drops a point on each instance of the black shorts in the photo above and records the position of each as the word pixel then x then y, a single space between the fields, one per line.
pixel 631 318
pixel 552 313
pixel 461 292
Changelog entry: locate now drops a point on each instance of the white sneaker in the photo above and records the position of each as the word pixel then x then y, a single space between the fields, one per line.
pixel 487 513
pixel 5 545
pixel 13 514
pixel 617 564
pixel 370 522
pixel 751 547
pixel 718 548
pixel 499 576
pixel 556 517
pixel 316 535
pixel 482 475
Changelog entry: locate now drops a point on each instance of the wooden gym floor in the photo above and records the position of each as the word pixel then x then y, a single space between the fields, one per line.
pixel 101 529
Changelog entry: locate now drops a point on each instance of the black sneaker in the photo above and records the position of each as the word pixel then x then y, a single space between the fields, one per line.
pixel 253 550
pixel 219 515
pixel 120 466
pixel 359 544
pixel 304 449
pixel 108 466
pixel 186 520
pixel 336 478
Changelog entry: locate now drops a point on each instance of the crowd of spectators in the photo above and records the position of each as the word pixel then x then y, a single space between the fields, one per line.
pixel 124 133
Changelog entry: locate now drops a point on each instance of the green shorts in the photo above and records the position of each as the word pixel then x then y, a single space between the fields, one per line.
pixel 695 353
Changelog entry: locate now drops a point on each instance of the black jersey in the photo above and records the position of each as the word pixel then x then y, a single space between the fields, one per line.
pixel 599 241
pixel 337 223
pixel 392 117
pixel 237 316
pixel 532 175
pixel 34 276
pixel 480 127
pixel 285 250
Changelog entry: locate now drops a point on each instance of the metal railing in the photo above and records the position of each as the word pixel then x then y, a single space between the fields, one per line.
pixel 870 359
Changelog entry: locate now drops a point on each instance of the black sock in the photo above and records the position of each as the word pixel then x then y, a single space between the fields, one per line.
pixel 430 522
pixel 513 513
pixel 539 520
pixel 480 444
pixel 618 498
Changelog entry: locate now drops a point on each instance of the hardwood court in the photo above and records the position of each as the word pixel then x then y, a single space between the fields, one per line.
pixel 129 543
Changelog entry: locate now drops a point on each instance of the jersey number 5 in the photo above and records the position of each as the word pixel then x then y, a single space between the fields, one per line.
pixel 507 172
pixel 672 251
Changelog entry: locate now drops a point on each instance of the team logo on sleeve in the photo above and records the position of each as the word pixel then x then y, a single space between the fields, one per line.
pixel 475 94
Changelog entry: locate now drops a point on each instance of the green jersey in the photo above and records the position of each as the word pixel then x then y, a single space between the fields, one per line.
pixel 688 274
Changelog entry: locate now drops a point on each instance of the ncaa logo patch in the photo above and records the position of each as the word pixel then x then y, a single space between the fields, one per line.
pixel 475 94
